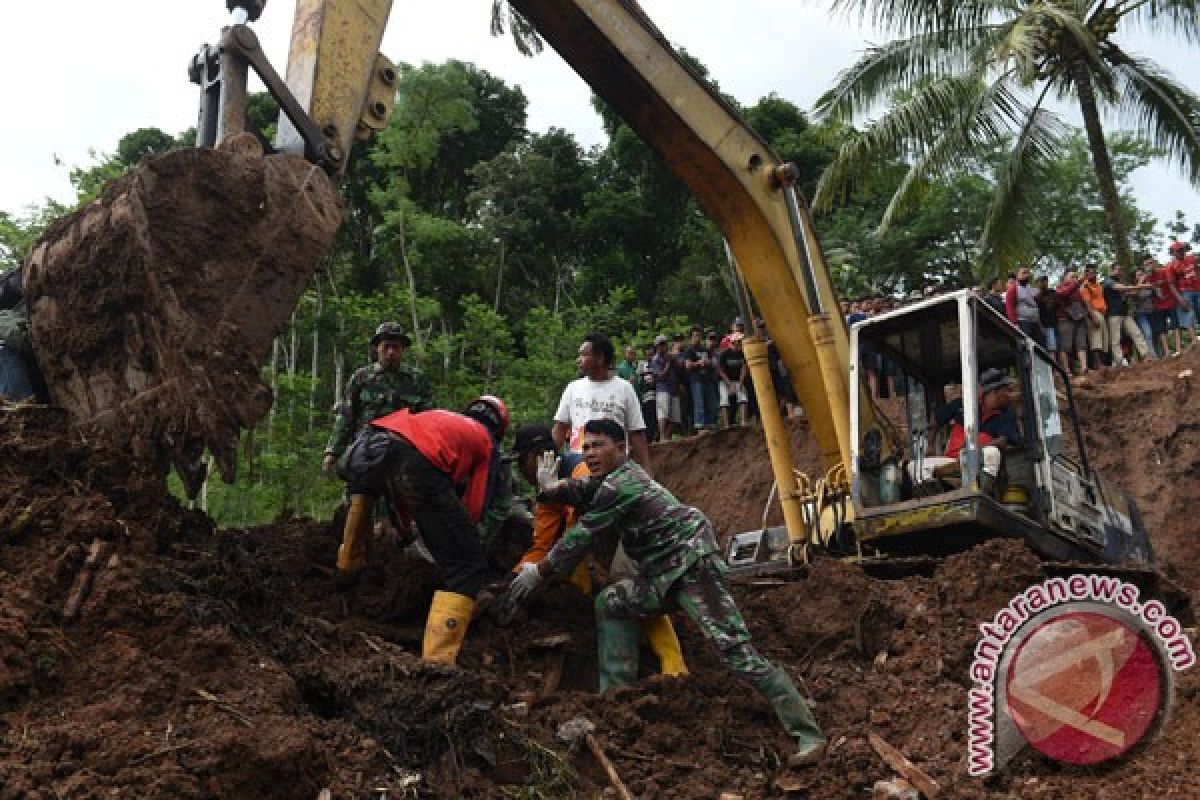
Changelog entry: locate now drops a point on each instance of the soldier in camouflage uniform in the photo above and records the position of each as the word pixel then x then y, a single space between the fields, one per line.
pixel 679 567
pixel 381 387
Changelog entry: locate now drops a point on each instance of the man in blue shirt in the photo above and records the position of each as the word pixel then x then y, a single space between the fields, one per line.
pixel 662 366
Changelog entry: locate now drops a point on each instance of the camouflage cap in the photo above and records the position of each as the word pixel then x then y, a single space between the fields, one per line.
pixel 391 330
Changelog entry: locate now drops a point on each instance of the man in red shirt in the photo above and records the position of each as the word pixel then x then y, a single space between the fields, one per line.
pixel 1187 282
pixel 1072 322
pixel 1166 301
pixel 998 430
pixel 436 468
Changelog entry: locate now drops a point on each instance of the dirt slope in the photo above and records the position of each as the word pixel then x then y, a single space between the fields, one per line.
pixel 224 664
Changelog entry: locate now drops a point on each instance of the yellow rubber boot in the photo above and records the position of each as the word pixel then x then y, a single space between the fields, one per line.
pixel 446 627
pixel 352 555
pixel 581 579
pixel 660 635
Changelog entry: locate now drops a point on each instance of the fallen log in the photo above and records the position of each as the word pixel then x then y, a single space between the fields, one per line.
pixel 899 762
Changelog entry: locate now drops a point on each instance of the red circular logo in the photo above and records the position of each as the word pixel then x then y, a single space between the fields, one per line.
pixel 1084 687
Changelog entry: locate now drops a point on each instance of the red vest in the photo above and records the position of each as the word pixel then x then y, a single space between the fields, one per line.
pixel 458 446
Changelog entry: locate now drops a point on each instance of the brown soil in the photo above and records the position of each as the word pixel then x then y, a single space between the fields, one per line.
pixel 208 664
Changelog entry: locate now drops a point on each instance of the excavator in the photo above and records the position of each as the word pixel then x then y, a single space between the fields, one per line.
pixel 161 375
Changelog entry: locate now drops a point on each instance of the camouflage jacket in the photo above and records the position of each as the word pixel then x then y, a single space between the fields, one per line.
pixel 664 536
pixel 373 392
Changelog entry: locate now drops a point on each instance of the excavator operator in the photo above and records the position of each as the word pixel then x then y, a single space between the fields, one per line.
pixel 678 567
pixel 998 430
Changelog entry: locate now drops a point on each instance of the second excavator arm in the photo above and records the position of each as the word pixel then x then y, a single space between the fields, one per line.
pixel 743 186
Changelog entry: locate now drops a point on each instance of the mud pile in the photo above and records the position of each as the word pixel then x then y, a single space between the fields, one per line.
pixel 153 307
pixel 208 664
pixel 1142 429
pixel 728 474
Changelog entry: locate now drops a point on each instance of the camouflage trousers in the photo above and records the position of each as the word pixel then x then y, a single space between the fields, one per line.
pixel 703 594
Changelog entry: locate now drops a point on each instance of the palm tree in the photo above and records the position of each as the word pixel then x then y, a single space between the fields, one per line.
pixel 966 75
pixel 524 35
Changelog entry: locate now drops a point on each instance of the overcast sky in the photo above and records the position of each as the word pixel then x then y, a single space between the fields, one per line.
pixel 81 73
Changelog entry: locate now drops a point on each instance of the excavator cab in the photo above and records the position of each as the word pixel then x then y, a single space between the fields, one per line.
pixel 960 371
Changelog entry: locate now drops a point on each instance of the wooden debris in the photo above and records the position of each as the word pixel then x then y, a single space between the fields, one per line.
pixel 549 642
pixel 895 789
pixel 371 642
pixel 555 661
pixel 324 794
pixel 162 751
pixel 926 785
pixel 97 553
pixel 613 777
pixel 580 729
pixel 658 759
pixel 789 785
pixel 226 707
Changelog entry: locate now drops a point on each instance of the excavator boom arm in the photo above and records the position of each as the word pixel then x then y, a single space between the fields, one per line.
pixel 736 177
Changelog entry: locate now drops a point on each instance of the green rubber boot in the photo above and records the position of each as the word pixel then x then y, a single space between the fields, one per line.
pixel 617 646
pixel 796 717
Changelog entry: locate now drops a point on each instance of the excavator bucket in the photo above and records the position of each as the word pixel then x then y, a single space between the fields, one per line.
pixel 153 308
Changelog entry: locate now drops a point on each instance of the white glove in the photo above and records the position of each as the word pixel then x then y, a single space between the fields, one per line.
pixel 526 581
pixel 547 470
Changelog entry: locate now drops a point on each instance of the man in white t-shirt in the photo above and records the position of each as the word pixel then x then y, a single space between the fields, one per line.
pixel 600 395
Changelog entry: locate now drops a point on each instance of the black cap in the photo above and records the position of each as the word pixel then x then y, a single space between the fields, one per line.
pixel 993 379
pixel 530 438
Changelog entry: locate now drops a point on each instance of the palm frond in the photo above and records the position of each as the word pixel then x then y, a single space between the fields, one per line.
pixel 901 66
pixel 1179 19
pixel 1038 144
pixel 910 127
pixel 524 35
pixel 1161 109
pixel 997 113
pixel 919 16
pixel 1021 43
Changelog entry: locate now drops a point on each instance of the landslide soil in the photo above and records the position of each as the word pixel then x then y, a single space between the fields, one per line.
pixel 208 664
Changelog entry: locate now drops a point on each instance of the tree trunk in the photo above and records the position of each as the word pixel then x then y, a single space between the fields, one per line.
pixel 339 374
pixel 316 361
pixel 446 351
pixel 412 284
pixel 293 347
pixel 275 347
pixel 1105 180
pixel 557 283
pixel 499 280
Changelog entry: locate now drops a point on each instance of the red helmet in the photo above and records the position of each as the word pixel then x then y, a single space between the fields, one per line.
pixel 1176 246
pixel 491 411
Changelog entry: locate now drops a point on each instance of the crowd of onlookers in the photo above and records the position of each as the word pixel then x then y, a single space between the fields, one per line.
pixel 1091 318
pixel 1094 318
pixel 698 380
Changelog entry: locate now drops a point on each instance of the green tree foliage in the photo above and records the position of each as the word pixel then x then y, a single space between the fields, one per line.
pixel 1067 221
pixel 964 77
pixel 19 233
pixel 500 248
